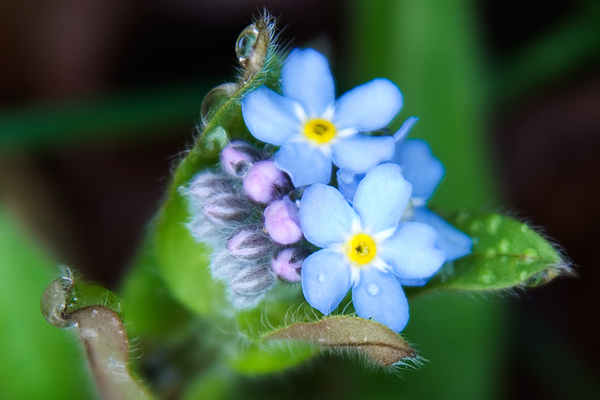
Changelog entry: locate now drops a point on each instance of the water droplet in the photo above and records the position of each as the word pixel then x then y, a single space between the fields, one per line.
pixel 524 228
pixel 321 278
pixel 54 302
pixel 245 43
pixel 487 277
pixel 345 175
pixel 475 226
pixel 493 223
pixel 214 141
pixel 251 47
pixel 504 246
pixel 490 252
pixel 373 289
pixel 522 276
pixel 215 99
pixel 462 216
pixel 530 253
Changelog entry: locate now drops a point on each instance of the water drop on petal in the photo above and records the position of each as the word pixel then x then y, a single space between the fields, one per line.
pixel 373 289
pixel 345 175
pixel 321 278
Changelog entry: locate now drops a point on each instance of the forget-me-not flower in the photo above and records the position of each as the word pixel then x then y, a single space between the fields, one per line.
pixel 424 172
pixel 365 247
pixel 313 128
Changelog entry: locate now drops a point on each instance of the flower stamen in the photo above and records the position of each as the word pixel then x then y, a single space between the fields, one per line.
pixel 361 249
pixel 319 130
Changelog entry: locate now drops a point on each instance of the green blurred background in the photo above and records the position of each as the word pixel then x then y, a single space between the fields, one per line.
pixel 99 97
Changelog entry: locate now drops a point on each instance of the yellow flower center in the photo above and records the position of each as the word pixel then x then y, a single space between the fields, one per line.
pixel 361 249
pixel 319 130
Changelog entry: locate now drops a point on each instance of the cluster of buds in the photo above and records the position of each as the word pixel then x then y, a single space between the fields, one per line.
pixel 245 212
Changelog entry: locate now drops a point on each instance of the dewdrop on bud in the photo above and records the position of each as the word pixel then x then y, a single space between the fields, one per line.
pixel 237 158
pixel 288 263
pixel 223 208
pixel 282 221
pixel 253 280
pixel 265 182
pixel 249 241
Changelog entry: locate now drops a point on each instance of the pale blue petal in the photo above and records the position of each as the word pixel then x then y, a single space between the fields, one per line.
pixel 306 78
pixel 412 252
pixel 325 215
pixel 368 107
pixel 269 116
pixel 381 198
pixel 379 296
pixel 420 168
pixel 359 153
pixel 453 242
pixel 404 130
pixel 325 279
pixel 414 282
pixel 348 183
pixel 304 163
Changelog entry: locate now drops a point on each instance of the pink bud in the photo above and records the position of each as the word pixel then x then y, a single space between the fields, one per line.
pixel 288 263
pixel 265 182
pixel 235 157
pixel 282 221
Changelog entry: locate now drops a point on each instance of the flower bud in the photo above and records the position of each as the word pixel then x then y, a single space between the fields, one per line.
pixel 222 208
pixel 237 157
pixel 208 183
pixel 288 263
pixel 265 182
pixel 249 241
pixel 282 221
pixel 252 281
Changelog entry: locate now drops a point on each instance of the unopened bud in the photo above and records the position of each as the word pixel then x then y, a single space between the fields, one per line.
pixel 222 208
pixel 288 263
pixel 282 221
pixel 252 281
pixel 208 183
pixel 249 241
pixel 237 157
pixel 265 182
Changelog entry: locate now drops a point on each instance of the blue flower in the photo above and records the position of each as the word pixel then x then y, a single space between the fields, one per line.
pixel 365 247
pixel 424 172
pixel 313 129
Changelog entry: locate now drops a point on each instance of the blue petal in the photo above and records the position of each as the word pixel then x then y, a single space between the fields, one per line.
pixel 348 183
pixel 270 117
pixel 412 252
pixel 306 78
pixel 359 153
pixel 368 107
pixel 381 198
pixel 420 168
pixel 453 242
pixel 378 295
pixel 414 282
pixel 325 279
pixel 404 130
pixel 325 215
pixel 303 162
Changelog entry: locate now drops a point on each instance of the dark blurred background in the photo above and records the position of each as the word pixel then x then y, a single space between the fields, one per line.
pixel 98 98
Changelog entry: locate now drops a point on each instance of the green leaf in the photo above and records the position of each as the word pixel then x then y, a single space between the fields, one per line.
pixel 506 253
pixel 37 360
